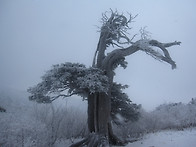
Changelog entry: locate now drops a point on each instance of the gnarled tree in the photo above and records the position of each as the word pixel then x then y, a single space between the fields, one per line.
pixel 96 83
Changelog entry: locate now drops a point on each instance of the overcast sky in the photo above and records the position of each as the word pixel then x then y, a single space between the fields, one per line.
pixel 35 34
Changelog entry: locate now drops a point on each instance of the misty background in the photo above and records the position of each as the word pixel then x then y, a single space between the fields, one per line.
pixel 35 34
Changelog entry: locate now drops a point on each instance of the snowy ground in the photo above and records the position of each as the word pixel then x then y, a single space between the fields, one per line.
pixel 186 138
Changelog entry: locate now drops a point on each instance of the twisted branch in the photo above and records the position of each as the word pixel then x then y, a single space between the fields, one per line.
pixel 117 26
pixel 143 45
pixel 113 32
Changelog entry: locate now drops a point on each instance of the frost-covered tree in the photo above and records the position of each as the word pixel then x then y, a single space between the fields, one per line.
pixel 105 97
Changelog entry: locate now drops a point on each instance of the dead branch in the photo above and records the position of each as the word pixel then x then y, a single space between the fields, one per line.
pixel 143 45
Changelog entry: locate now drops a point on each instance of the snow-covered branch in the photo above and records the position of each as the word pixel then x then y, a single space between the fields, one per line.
pixel 69 79
pixel 166 56
pixel 143 45
pixel 114 32
pixel 117 26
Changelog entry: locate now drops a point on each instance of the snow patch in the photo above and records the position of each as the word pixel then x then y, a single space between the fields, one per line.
pixel 186 138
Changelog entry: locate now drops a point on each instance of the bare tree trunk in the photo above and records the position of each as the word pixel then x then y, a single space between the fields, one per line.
pixel 99 122
pixel 99 107
pixel 91 115
pixel 102 117
pixel 104 108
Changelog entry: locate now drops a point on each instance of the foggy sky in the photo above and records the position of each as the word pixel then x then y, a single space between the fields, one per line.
pixel 35 34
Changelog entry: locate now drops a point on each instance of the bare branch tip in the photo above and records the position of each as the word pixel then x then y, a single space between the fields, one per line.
pixel 178 42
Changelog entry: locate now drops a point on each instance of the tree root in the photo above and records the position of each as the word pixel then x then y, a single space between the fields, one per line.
pixel 93 140
pixel 113 139
pixel 96 140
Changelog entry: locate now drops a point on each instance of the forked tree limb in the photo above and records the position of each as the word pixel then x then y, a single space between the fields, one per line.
pixel 143 45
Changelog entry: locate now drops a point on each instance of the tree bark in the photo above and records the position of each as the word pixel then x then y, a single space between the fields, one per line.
pixel 104 109
pixel 91 122
pixel 100 122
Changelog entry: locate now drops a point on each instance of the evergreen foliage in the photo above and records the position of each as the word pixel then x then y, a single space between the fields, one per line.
pixel 122 105
pixel 67 79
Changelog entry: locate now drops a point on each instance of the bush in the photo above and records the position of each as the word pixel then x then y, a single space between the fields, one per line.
pixel 26 124
pixel 166 116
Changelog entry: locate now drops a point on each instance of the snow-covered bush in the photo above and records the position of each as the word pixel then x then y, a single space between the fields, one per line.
pixel 165 116
pixel 26 124
pixel 175 115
